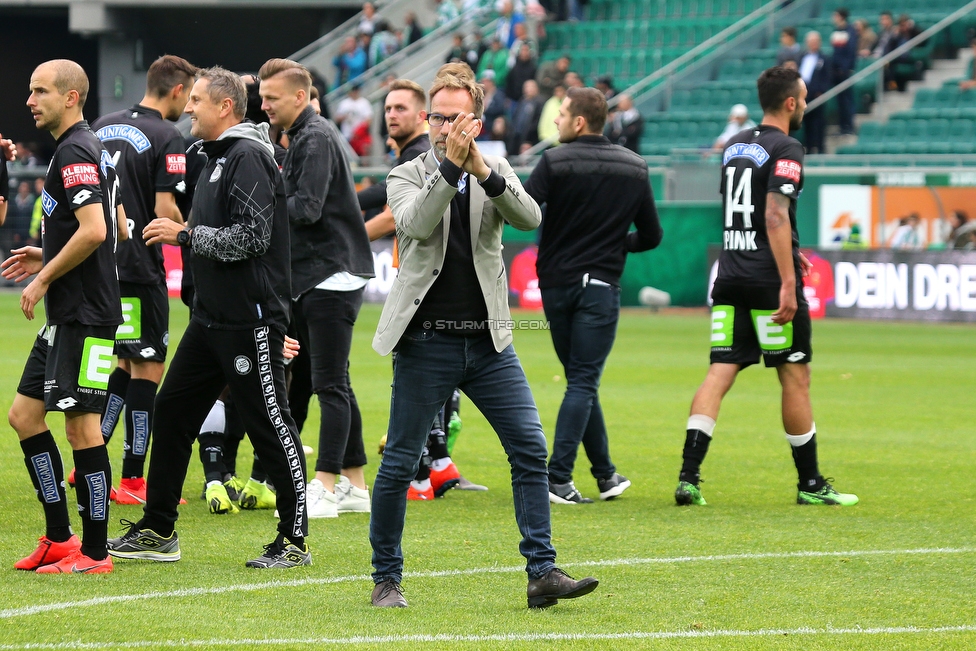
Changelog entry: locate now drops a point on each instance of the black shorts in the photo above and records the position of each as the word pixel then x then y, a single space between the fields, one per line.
pixel 742 329
pixel 144 333
pixel 68 367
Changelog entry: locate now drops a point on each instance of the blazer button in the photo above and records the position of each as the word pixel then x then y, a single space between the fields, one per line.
pixel 435 272
pixel 416 301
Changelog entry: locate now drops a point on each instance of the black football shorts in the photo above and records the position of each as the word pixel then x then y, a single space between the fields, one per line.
pixel 144 333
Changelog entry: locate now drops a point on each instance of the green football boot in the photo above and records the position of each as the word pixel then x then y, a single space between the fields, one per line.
pixel 257 495
pixel 826 496
pixel 219 500
pixel 453 430
pixel 688 493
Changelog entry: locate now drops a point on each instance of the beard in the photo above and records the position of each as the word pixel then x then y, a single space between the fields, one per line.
pixel 440 148
pixel 796 120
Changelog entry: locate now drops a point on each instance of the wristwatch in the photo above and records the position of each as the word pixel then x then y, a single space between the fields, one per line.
pixel 184 237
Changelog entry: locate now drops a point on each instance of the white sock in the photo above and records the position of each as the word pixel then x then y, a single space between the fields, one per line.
pixel 796 440
pixel 702 423
pixel 440 464
pixel 421 486
pixel 213 483
pixel 215 420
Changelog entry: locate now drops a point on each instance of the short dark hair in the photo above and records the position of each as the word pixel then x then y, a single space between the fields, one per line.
pixel 790 31
pixel 775 85
pixel 886 13
pixel 167 72
pixel 591 105
pixel 842 12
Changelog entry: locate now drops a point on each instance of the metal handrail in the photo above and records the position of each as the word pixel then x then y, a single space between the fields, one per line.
pixel 894 54
pixel 742 25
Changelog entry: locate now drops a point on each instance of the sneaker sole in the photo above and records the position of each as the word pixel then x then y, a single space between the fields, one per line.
pixel 323 516
pixel 616 491
pixel 585 588
pixel 818 501
pixel 555 499
pixel 147 556
pixel 354 509
pixel 446 486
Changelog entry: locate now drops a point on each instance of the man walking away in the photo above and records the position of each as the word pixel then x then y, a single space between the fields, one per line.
pixel 593 191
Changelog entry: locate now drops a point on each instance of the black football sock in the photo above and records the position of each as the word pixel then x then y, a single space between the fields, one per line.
pixel 139 404
pixel 93 483
pixel 257 470
pixel 118 388
pixel 212 456
pixel 423 472
pixel 46 471
pixel 697 438
pixel 437 444
pixel 804 448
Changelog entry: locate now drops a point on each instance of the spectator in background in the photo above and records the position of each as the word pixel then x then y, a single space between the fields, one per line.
pixel 548 131
pixel 907 236
pixel 37 214
pixel 27 155
pixel 352 112
pixel 866 38
pixel 414 31
pixel 508 19
pixel 907 29
pixel 551 74
pixel 351 61
pixel 497 103
pixel 573 80
pixel 476 41
pixel 314 100
pixel 954 227
pixel 738 120
pixel 521 37
pixel 495 60
pixel 19 211
pixel 970 80
pixel 626 124
pixel 604 84
pixel 383 43
pixel 815 71
pixel 525 118
pixel 367 24
pixel 446 12
pixel 523 70
pixel 887 38
pixel 460 53
pixel 789 49
pixel 843 40
pixel 499 130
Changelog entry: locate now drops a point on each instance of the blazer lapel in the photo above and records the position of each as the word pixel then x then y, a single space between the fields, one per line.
pixel 430 168
pixel 476 204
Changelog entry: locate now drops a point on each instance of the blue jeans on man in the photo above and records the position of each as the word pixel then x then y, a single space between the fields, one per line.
pixel 428 366
pixel 583 325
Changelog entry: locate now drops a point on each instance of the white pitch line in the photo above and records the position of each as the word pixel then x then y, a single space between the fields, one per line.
pixel 247 587
pixel 500 637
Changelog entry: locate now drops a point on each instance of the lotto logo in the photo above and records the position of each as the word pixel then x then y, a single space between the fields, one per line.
pixel 66 403
pixel 176 163
pixel 82 197
pixel 79 174
pixel 788 169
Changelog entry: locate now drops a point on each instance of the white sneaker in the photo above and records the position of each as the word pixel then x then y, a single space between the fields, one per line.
pixel 320 501
pixel 351 499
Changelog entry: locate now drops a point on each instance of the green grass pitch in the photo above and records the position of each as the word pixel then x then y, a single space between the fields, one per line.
pixel 752 570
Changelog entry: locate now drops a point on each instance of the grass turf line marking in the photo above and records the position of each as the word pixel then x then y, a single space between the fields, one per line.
pixel 247 587
pixel 502 637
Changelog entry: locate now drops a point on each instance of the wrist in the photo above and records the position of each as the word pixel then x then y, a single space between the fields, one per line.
pixel 185 237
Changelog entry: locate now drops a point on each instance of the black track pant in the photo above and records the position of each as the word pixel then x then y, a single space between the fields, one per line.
pixel 250 362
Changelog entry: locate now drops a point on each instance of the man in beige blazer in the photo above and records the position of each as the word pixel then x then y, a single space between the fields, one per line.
pixel 447 317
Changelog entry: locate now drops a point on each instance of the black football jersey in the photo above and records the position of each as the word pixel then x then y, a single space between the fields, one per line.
pixel 755 162
pixel 151 157
pixel 81 173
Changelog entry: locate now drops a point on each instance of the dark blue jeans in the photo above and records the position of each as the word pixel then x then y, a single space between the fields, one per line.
pixel 583 325
pixel 428 367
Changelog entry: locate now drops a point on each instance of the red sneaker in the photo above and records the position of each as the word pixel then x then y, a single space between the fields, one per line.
pixel 131 491
pixel 78 563
pixel 420 496
pixel 444 480
pixel 71 478
pixel 48 552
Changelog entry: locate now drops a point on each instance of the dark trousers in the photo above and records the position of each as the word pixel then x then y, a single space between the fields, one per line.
pixel 814 123
pixel 428 367
pixel 251 363
pixel 325 320
pixel 583 325
pixel 845 104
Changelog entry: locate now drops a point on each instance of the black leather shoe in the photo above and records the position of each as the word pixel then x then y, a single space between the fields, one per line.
pixel 547 590
pixel 388 594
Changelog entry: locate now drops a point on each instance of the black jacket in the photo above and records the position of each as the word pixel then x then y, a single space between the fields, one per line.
pixel 374 196
pixel 240 239
pixel 593 191
pixel 327 231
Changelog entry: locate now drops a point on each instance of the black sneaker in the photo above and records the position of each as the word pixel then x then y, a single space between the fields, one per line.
pixel 144 544
pixel 566 494
pixel 280 554
pixel 613 487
